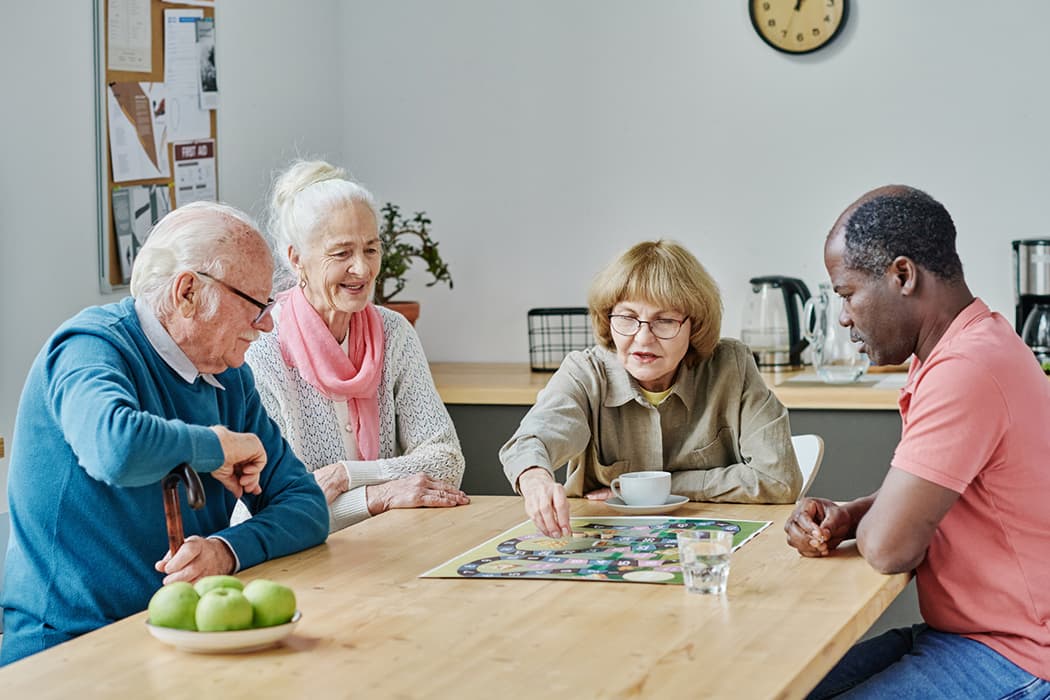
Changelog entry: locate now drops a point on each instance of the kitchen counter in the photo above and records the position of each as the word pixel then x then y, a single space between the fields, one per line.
pixel 488 383
pixel 514 384
pixel 859 422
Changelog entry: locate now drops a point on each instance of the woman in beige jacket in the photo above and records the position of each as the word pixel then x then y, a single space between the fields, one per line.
pixel 660 391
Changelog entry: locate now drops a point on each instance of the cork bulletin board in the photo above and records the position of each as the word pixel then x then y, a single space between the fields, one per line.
pixel 138 149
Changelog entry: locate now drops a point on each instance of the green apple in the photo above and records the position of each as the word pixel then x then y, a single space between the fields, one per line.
pixel 222 581
pixel 222 609
pixel 174 605
pixel 272 603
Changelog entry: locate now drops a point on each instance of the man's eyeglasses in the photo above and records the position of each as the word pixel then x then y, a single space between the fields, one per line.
pixel 264 308
pixel 662 328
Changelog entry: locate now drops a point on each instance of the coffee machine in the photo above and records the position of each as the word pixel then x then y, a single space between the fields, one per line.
pixel 1031 277
pixel 1032 287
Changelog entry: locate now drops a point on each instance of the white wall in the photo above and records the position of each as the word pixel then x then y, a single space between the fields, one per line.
pixel 280 90
pixel 48 238
pixel 544 137
pixel 278 57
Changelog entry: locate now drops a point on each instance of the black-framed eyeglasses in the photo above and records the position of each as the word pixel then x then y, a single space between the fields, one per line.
pixel 662 328
pixel 264 309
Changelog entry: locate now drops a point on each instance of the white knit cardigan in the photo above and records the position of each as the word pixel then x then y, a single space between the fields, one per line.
pixel 416 433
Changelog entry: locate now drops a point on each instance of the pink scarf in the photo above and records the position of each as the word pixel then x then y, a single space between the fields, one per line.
pixel 308 345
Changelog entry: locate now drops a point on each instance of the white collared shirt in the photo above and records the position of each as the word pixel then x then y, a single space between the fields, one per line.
pixel 167 348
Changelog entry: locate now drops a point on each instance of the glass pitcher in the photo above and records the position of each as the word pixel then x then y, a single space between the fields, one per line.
pixel 1036 334
pixel 836 359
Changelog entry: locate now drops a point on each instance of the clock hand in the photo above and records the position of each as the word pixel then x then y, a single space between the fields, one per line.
pixel 798 5
pixel 786 31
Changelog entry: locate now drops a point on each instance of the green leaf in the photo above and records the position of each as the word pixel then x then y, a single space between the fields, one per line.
pixel 402 240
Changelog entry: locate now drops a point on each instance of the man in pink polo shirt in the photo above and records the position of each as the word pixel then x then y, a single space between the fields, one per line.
pixel 966 502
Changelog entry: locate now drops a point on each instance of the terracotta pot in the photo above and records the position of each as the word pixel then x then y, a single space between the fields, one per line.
pixel 408 309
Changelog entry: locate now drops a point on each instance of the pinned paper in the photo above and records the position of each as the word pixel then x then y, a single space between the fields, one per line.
pixel 128 36
pixel 194 171
pixel 138 139
pixel 135 210
pixel 186 119
pixel 209 84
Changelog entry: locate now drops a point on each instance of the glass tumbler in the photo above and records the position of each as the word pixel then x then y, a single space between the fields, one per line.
pixel 704 556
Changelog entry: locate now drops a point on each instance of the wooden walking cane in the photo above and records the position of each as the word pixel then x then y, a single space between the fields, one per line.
pixel 172 513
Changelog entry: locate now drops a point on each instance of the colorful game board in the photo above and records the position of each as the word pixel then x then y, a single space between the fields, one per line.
pixel 634 549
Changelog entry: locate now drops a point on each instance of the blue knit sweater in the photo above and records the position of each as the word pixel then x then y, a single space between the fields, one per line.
pixel 101 421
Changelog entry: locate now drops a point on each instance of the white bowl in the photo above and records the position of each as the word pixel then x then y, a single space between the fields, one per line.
pixel 224 642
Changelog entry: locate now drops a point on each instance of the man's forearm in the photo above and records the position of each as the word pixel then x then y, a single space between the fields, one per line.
pixel 857 509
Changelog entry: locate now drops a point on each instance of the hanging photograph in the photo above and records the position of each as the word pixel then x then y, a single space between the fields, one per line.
pixel 209 87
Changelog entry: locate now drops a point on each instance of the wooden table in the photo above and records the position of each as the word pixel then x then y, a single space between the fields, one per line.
pixel 372 629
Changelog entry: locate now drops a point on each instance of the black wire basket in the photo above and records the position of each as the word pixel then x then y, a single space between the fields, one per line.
pixel 554 333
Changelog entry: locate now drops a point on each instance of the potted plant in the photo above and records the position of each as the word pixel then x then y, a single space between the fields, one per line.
pixel 404 239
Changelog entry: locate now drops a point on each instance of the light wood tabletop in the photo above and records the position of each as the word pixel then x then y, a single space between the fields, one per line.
pixel 371 628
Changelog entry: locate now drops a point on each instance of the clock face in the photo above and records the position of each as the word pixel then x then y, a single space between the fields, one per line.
pixel 798 26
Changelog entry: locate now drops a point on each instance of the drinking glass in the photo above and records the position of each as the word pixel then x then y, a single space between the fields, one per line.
pixel 704 556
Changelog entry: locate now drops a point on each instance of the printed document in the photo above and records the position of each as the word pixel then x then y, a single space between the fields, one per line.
pixel 186 119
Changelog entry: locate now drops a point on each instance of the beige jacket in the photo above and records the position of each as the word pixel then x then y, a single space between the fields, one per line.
pixel 721 432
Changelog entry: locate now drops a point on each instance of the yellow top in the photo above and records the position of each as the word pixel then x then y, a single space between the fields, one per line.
pixel 655 397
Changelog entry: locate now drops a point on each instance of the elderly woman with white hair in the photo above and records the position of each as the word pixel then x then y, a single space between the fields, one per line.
pixel 347 381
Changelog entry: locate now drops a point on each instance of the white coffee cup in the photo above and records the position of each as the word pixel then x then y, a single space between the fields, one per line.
pixel 642 488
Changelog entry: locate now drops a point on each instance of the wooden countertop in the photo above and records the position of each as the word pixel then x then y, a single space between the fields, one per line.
pixel 513 384
pixel 372 628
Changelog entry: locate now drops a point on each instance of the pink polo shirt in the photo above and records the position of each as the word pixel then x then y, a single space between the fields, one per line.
pixel 976 418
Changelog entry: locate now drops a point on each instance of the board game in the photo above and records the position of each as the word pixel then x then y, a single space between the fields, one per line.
pixel 632 549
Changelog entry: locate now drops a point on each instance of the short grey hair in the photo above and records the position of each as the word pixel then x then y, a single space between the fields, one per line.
pixel 904 221
pixel 302 195
pixel 197 237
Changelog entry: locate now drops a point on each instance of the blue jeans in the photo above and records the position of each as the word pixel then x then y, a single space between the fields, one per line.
pixel 920 662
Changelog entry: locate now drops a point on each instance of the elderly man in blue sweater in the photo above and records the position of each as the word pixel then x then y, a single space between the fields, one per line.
pixel 120 395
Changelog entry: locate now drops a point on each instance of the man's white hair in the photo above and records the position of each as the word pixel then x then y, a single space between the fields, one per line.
pixel 196 237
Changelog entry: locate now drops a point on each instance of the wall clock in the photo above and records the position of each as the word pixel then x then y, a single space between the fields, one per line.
pixel 798 26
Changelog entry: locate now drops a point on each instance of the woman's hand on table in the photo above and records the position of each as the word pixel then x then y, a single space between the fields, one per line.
pixel 602 494
pixel 416 491
pixel 333 481
pixel 818 526
pixel 545 502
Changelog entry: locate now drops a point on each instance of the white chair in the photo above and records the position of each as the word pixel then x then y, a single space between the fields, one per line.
pixel 809 450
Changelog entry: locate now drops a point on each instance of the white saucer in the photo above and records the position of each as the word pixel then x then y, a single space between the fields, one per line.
pixel 670 504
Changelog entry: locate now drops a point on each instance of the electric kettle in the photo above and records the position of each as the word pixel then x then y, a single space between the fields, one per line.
pixel 773 321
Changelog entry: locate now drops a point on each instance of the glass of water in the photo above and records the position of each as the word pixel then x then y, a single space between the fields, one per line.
pixel 704 556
